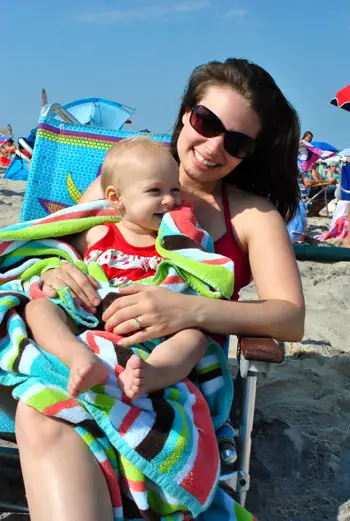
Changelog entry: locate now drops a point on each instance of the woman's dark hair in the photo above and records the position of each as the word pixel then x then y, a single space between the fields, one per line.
pixel 307 133
pixel 271 171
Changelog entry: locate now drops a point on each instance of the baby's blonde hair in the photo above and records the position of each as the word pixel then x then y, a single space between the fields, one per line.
pixel 136 146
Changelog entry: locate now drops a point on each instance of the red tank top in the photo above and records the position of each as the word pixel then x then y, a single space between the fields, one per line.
pixel 228 247
pixel 121 261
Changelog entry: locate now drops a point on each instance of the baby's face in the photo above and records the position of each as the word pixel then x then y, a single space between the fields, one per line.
pixel 149 189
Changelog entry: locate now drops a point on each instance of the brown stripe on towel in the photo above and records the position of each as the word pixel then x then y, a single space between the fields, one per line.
pixel 154 441
pixel 131 510
pixel 123 355
pixel 91 427
pixel 21 347
pixel 23 299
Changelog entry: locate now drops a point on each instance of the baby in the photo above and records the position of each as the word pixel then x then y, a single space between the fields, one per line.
pixel 140 180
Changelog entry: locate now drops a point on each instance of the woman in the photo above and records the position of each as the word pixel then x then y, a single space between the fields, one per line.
pixel 333 174
pixel 236 140
pixel 302 153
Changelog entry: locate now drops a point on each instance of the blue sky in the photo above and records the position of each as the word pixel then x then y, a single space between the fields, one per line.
pixel 141 52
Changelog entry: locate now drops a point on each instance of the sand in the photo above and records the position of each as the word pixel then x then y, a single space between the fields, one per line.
pixel 301 445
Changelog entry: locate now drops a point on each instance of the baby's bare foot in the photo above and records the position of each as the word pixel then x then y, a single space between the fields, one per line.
pixel 86 371
pixel 135 379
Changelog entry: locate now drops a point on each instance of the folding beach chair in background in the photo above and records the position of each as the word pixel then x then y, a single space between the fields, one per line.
pixel 67 157
pixel 318 200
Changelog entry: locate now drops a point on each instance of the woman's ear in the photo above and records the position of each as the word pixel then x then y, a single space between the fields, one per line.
pixel 114 197
pixel 186 116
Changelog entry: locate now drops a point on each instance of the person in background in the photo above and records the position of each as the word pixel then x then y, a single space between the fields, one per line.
pixel 333 174
pixel 9 148
pixel 302 154
pixel 311 178
pixel 314 174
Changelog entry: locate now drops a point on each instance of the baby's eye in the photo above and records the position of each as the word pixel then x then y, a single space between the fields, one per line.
pixel 175 190
pixel 153 191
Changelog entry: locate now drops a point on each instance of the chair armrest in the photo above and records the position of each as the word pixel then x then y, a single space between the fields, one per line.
pixel 321 184
pixel 7 436
pixel 260 349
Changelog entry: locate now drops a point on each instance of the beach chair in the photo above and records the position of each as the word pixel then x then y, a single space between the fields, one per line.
pixel 344 183
pixel 67 157
pixel 318 201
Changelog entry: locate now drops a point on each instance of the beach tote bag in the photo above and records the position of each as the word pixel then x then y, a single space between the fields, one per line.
pixel 66 159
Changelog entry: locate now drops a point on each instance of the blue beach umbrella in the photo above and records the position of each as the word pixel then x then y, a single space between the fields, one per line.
pixel 99 112
pixel 322 145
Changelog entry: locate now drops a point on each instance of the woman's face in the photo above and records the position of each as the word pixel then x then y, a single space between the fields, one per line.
pixel 203 159
pixel 308 138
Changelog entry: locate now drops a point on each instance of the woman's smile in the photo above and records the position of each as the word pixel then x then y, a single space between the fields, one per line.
pixel 206 162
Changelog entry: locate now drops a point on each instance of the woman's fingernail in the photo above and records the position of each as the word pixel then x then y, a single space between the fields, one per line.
pixel 96 301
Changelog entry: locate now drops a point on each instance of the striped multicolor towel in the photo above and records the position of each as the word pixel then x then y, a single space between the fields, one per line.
pixel 154 450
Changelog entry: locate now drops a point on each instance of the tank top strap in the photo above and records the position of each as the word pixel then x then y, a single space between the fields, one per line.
pixel 226 209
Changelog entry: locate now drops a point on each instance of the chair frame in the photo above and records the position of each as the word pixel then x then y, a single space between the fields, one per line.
pixel 323 189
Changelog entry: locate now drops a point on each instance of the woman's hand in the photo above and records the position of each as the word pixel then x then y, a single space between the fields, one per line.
pixel 160 312
pixel 83 287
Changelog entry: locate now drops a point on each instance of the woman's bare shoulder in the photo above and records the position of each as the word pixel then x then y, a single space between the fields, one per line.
pixel 242 202
pixel 252 216
pixel 93 192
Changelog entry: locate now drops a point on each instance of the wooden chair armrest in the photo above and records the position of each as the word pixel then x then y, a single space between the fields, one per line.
pixel 260 349
pixel 320 184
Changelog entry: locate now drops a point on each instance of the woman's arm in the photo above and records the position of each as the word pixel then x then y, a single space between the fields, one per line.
pixel 279 312
pixel 93 192
pixel 316 177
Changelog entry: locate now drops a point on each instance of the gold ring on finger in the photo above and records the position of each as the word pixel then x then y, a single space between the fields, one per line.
pixel 137 323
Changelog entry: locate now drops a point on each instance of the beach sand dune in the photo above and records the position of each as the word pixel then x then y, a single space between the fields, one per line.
pixel 301 446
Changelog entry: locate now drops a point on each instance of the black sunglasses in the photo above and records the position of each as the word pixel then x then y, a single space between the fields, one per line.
pixel 207 124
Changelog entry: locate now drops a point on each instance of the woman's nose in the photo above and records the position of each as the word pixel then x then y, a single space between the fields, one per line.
pixel 215 145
